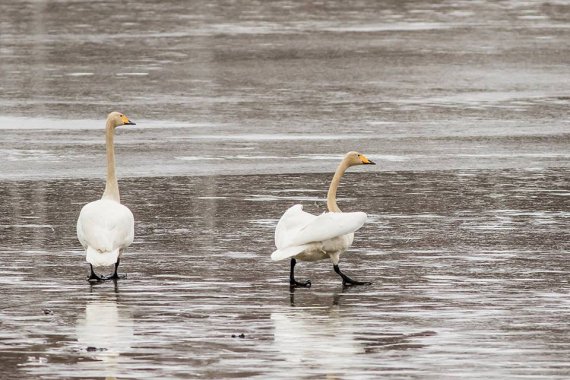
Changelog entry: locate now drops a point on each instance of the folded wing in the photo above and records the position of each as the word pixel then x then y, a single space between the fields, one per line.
pixel 286 253
pixel 328 226
pixel 105 226
pixel 297 228
pixel 289 225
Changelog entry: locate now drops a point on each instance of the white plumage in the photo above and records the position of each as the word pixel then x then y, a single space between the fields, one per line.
pixel 298 231
pixel 105 228
pixel 306 237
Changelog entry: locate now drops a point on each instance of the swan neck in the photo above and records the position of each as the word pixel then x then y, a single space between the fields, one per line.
pixel 112 185
pixel 331 196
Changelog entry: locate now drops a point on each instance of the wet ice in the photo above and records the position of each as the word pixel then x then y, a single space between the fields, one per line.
pixel 463 106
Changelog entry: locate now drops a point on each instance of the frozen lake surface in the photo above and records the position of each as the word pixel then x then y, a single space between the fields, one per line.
pixel 243 110
pixel 469 272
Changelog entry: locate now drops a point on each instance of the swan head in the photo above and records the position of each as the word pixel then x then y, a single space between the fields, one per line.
pixel 118 118
pixel 355 158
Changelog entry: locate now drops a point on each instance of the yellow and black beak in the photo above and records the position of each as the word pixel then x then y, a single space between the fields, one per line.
pixel 366 161
pixel 126 120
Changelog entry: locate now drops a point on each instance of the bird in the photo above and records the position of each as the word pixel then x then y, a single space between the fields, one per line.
pixel 105 227
pixel 300 235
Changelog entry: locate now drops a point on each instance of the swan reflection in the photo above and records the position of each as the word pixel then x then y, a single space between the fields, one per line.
pixel 105 332
pixel 328 340
pixel 317 341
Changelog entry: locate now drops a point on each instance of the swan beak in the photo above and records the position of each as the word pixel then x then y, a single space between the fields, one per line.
pixel 126 120
pixel 366 161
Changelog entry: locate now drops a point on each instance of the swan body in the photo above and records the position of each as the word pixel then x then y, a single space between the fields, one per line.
pixel 300 235
pixel 311 237
pixel 105 227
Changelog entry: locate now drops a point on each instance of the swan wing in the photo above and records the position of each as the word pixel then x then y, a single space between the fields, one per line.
pixel 289 225
pixel 328 226
pixel 285 253
pixel 105 226
pixel 297 227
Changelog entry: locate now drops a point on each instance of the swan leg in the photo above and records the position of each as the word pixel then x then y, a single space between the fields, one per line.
pixel 347 281
pixel 294 283
pixel 93 276
pixel 115 275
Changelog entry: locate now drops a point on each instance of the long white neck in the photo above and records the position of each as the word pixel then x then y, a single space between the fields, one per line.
pixel 112 186
pixel 331 196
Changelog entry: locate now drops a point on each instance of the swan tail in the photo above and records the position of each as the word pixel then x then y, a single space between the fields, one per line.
pixel 102 258
pixel 285 253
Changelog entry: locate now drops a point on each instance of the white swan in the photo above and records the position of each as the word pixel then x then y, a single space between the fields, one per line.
pixel 307 237
pixel 105 227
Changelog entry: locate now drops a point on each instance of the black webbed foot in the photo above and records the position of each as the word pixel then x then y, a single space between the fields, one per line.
pixel 351 282
pixel 294 283
pixel 347 281
pixel 93 278
pixel 114 277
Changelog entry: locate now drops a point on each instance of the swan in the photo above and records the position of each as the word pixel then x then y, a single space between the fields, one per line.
pixel 306 237
pixel 105 227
